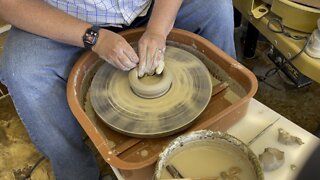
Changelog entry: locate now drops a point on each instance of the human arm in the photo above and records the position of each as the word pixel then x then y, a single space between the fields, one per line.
pixel 153 42
pixel 39 18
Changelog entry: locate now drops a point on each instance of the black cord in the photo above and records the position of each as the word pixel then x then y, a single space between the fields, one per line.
pixel 277 22
pixel 34 166
pixel 262 79
pixel 281 29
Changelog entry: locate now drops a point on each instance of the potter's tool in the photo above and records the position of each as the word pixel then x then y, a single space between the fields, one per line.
pixel 127 112
pixel 177 175
pixel 173 171
pixel 262 132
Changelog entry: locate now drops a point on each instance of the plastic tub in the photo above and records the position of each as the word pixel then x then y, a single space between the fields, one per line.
pixel 134 156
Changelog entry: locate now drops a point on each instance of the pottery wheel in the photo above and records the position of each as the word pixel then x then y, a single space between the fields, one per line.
pixel 124 111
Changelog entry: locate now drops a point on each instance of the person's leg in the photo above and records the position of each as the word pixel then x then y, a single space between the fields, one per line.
pixel 211 19
pixel 35 70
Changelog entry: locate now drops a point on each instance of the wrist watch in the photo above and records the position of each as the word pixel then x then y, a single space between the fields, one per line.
pixel 90 37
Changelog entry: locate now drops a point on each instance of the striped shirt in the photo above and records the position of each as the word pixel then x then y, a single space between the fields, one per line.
pixel 103 12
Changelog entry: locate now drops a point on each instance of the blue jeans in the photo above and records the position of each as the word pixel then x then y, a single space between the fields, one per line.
pixel 36 69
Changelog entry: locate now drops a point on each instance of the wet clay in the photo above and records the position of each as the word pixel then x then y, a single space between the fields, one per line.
pixel 123 110
pixel 272 159
pixel 150 86
pixel 150 80
pixel 286 138
pixel 206 159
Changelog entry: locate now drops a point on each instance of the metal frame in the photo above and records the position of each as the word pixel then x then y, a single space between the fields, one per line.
pixel 304 63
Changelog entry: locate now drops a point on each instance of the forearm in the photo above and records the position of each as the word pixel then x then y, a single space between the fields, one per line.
pixel 163 16
pixel 39 18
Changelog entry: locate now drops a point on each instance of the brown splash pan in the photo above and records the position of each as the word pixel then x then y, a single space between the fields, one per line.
pixel 127 153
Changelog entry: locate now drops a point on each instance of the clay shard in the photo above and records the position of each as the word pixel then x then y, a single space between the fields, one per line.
pixel 286 138
pixel 271 159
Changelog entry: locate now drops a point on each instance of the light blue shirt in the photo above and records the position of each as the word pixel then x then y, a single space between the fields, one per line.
pixel 103 12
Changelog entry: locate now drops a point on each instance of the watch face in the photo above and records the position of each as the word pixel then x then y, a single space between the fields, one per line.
pixel 90 37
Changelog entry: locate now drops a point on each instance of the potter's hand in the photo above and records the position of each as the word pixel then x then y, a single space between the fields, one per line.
pixel 114 49
pixel 151 53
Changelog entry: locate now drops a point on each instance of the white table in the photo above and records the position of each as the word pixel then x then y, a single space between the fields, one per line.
pixel 256 120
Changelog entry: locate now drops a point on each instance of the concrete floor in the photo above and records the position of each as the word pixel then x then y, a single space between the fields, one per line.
pixel 18 156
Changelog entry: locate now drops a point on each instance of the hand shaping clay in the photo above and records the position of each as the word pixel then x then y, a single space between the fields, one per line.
pixel 173 109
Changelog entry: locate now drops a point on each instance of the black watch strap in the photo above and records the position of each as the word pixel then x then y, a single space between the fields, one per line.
pixel 90 37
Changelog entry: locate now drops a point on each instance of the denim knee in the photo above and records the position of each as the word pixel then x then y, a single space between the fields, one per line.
pixel 221 13
pixel 36 79
pixel 211 19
